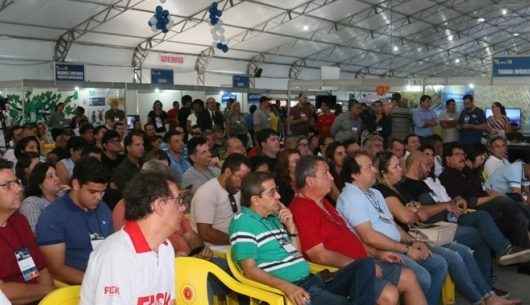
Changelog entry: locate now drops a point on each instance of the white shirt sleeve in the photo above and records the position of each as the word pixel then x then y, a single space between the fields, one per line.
pixel 106 280
pixel 3 299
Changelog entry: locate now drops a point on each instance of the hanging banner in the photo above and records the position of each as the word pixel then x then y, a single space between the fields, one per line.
pixel 161 77
pixel 511 66
pixel 69 72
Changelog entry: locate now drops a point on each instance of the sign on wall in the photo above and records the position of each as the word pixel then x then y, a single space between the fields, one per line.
pixel 511 66
pixel 161 77
pixel 240 81
pixel 171 59
pixel 69 72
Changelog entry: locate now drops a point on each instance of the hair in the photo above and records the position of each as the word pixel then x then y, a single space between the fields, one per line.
pixel 252 108
pixel 330 151
pixel 36 178
pixel 159 103
pixel 58 105
pixel 143 190
pixel 157 154
pixel 193 143
pixel 468 97
pixel 396 97
pixel 129 137
pixel 425 97
pixel 234 162
pixel 110 135
pixel 116 124
pixel 23 163
pixel 410 136
pixel 392 140
pixel 351 166
pixel 90 170
pixel 264 99
pixel 56 132
pixel 171 133
pixel 21 145
pixel 252 186
pixel 258 161
pixel 449 148
pixel 85 127
pixel 306 167
pixel 382 161
pixel 282 165
pixel 156 166
pixel 473 151
pixel 424 147
pixel 494 139
pixel 186 99
pixel 90 149
pixel 264 134
pixel 5 164
pixel 500 106
pixel 76 144
pixel 449 101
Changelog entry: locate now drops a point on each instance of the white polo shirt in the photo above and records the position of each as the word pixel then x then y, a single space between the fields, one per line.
pixel 124 270
pixel 3 299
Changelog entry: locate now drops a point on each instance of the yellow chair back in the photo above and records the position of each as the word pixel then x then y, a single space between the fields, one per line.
pixel 63 296
pixel 191 283
pixel 448 291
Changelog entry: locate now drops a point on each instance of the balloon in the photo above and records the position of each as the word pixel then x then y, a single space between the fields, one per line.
pixel 159 9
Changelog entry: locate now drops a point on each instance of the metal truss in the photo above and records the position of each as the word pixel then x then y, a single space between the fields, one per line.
pixel 296 69
pixel 64 43
pixel 142 49
pixel 5 3
pixel 253 65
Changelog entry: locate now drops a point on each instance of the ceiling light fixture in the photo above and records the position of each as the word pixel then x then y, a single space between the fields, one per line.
pixel 450 37
pixel 306 27
pixel 480 20
pixel 471 86
pixel 504 11
pixel 457 61
pixel 395 48
pixel 515 34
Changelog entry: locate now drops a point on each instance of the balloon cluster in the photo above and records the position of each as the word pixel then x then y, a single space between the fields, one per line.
pixel 218 31
pixel 161 20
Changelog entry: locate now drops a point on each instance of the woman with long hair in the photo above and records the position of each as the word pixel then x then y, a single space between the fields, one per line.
pixel 498 123
pixel 285 179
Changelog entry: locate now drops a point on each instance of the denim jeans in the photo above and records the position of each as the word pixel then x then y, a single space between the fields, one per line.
pixel 510 218
pixel 479 232
pixel 464 271
pixel 430 274
pixel 352 285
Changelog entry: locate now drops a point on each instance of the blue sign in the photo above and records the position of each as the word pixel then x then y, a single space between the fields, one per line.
pixel 161 77
pixel 70 72
pixel 511 66
pixel 240 81
pixel 253 99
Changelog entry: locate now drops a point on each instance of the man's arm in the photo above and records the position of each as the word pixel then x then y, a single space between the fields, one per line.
pixel 55 257
pixel 320 255
pixel 377 240
pixel 296 294
pixel 426 212
pixel 21 293
pixel 211 235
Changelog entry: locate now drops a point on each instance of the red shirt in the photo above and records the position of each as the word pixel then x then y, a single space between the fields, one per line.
pixel 315 226
pixel 324 123
pixel 14 236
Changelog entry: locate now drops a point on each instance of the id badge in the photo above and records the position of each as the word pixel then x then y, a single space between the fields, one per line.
pixel 289 248
pixel 26 264
pixel 384 218
pixel 95 240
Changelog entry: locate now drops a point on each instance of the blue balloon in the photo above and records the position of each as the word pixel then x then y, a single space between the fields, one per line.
pixel 159 9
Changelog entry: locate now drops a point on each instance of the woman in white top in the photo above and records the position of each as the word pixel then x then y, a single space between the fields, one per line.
pixel 43 188
pixel 65 167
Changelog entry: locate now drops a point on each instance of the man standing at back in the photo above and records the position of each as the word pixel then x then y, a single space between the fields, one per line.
pixel 136 265
pixel 424 118
pixel 472 122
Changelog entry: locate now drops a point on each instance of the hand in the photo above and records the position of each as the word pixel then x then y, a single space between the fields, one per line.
pixel 461 203
pixel 286 217
pixel 453 208
pixel 64 188
pixel 296 294
pixel 378 271
pixel 389 257
pixel 421 246
pixel 205 254
pixel 415 254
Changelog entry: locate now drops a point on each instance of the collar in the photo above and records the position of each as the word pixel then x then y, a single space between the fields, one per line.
pixel 137 237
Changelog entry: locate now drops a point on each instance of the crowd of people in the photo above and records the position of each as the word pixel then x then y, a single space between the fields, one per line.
pixel 109 208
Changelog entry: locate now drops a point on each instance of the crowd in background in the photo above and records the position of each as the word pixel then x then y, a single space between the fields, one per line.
pixel 280 186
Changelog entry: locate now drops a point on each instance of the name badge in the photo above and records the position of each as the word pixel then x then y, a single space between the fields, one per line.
pixel 26 264
pixel 289 248
pixel 96 240
pixel 384 218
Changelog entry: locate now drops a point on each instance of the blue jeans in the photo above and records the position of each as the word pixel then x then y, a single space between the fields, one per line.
pixel 464 271
pixel 479 231
pixel 352 285
pixel 430 274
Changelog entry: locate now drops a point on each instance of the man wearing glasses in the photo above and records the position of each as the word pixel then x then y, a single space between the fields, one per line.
pixel 136 264
pixel 265 244
pixel 217 200
pixel 24 278
pixel 76 223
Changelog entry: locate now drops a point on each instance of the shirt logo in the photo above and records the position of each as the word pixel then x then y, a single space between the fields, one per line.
pixel 112 290
pixel 155 299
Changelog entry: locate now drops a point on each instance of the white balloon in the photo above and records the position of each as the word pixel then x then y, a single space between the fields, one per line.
pixel 216 37
pixel 153 21
pixel 213 31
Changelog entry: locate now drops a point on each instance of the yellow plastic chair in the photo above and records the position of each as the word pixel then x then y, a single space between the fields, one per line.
pixel 62 296
pixel 60 284
pixel 191 286
pixel 448 291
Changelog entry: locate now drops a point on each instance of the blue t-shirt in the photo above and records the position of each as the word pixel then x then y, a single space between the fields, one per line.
pixel 473 117
pixel 359 207
pixel 505 177
pixel 64 222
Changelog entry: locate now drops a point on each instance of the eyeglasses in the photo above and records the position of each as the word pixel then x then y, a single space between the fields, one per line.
pixel 270 192
pixel 179 200
pixel 10 184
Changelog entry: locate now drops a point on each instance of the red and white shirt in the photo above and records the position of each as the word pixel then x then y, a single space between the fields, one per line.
pixel 125 270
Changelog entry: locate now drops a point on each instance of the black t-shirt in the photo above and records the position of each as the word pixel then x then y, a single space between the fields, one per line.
pixel 109 163
pixel 388 192
pixel 417 190
pixel 159 120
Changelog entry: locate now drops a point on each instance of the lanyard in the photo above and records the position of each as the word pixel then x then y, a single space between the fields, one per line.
pixel 233 203
pixel 374 202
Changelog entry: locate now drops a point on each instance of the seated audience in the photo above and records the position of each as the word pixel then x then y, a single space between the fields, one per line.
pixel 269 145
pixel 326 239
pixel 265 245
pixel 65 167
pixel 24 277
pixel 130 166
pixel 178 160
pixel 217 200
pixel 76 223
pixel 203 168
pixel 498 155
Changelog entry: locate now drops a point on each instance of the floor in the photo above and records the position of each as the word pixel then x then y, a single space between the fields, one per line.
pixel 508 279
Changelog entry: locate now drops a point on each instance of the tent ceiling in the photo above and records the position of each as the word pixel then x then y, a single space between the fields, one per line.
pixel 400 38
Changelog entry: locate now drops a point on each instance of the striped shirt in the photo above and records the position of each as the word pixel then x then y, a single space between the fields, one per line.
pixel 264 240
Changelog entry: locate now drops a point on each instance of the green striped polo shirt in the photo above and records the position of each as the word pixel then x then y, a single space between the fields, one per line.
pixel 266 242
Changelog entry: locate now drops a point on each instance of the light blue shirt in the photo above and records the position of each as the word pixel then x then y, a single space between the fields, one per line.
pixel 420 116
pixel 505 177
pixel 358 207
pixel 178 166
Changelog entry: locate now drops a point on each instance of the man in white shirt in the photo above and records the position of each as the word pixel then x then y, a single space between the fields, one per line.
pixel 449 122
pixel 216 201
pixel 136 264
pixel 498 155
